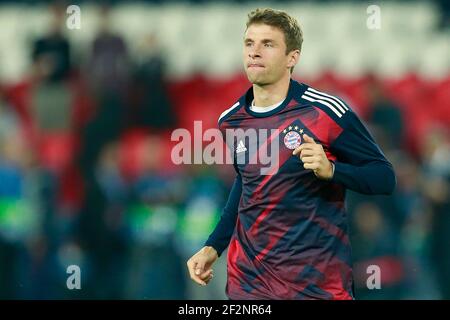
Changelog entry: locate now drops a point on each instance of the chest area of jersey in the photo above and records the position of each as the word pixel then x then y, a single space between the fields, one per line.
pixel 261 146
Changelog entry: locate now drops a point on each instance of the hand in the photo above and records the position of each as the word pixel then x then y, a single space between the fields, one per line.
pixel 199 265
pixel 313 157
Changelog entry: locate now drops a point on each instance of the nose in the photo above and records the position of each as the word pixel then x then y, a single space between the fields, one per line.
pixel 254 52
pixel 254 55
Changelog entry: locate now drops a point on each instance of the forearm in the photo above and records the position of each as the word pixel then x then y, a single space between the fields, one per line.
pixel 375 177
pixel 220 237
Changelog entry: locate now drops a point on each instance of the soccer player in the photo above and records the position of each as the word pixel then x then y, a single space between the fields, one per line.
pixel 287 232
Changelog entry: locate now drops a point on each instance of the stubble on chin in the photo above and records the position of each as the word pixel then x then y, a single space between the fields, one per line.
pixel 256 80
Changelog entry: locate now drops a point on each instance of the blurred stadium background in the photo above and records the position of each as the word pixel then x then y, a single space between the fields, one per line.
pixel 85 123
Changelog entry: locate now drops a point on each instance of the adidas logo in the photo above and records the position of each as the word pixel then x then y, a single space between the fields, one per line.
pixel 241 147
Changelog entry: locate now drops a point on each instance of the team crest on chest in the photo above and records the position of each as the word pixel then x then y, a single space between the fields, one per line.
pixel 292 137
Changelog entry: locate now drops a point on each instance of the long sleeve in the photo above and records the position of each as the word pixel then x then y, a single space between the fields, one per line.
pixel 361 165
pixel 220 237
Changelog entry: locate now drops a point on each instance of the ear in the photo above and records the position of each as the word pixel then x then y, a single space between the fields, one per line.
pixel 294 56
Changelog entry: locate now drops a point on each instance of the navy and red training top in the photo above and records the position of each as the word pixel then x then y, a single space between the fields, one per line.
pixel 287 230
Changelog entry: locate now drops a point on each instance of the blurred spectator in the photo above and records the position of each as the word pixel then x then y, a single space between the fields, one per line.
pixel 51 53
pixel 101 231
pixel 150 105
pixel 107 73
pixel 436 189
pixel 385 115
pixel 374 243
pixel 109 64
pixel 153 213
pixel 444 9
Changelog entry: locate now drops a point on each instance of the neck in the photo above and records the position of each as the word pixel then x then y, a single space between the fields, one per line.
pixel 267 95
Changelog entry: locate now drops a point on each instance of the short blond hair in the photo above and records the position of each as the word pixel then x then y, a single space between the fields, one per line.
pixel 290 27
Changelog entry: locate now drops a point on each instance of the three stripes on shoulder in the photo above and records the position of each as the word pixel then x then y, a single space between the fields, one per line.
pixel 335 104
pixel 312 95
pixel 228 110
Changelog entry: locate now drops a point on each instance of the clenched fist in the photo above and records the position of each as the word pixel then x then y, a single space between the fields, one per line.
pixel 313 157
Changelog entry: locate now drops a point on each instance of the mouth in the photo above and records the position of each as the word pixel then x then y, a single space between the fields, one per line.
pixel 255 65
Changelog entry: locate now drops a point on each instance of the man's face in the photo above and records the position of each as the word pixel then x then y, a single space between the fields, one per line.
pixel 265 59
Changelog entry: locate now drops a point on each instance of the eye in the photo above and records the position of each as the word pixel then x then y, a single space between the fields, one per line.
pixel 268 45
